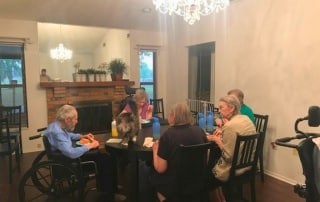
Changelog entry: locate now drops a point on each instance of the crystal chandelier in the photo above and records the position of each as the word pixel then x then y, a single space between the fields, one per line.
pixel 190 10
pixel 61 53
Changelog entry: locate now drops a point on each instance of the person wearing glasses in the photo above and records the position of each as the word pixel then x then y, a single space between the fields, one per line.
pixel 225 138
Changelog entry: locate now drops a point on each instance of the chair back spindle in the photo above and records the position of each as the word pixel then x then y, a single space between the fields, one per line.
pixel 261 122
pixel 246 154
pixel 158 108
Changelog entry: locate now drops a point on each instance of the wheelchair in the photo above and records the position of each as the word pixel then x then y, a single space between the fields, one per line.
pixel 54 177
pixel 306 150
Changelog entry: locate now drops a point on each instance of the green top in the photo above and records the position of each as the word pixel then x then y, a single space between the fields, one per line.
pixel 246 110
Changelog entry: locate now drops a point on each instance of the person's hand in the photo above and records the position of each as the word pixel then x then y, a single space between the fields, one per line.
pixel 216 139
pixel 89 136
pixel 155 146
pixel 213 138
pixel 217 132
pixel 150 108
pixel 219 122
pixel 94 144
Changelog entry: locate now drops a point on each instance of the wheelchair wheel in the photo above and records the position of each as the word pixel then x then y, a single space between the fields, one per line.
pixel 42 156
pixel 48 181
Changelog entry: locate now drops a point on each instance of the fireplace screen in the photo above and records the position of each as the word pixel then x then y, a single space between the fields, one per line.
pixel 94 117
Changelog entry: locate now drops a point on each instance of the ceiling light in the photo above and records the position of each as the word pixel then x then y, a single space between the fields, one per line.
pixel 190 10
pixel 61 53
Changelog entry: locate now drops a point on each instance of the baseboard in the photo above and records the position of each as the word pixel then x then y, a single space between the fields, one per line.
pixel 281 177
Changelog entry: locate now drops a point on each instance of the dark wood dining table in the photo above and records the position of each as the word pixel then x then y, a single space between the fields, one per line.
pixel 134 152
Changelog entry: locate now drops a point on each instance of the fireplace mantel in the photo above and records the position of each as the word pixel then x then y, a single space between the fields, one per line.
pixel 59 93
pixel 85 84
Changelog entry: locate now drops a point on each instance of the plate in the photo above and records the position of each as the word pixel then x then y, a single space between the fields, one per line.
pixel 144 121
pixel 78 143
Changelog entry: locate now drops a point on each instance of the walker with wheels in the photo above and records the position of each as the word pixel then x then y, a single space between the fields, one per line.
pixel 309 154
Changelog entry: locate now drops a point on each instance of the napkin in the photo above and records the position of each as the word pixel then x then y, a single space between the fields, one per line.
pixel 148 142
pixel 114 140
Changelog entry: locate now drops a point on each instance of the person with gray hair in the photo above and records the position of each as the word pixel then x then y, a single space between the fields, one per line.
pixel 244 109
pixel 225 138
pixel 60 133
pixel 61 137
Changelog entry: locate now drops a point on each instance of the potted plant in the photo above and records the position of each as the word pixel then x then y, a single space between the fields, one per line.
pixel 91 73
pixel 117 67
pixel 101 75
pixel 82 74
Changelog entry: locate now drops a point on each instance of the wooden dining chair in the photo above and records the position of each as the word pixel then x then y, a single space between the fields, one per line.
pixel 9 148
pixel 158 108
pixel 13 115
pixel 192 173
pixel 246 154
pixel 261 122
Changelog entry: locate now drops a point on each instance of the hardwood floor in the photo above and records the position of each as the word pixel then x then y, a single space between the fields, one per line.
pixel 272 190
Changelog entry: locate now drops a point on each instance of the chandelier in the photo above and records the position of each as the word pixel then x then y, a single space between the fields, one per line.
pixel 61 53
pixel 190 10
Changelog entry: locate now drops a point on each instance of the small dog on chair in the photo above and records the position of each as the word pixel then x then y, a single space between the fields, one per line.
pixel 127 126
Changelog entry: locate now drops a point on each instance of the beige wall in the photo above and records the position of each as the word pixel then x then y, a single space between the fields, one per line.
pixel 37 112
pixel 268 48
pixel 117 43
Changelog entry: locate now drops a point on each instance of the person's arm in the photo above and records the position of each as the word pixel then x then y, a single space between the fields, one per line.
pixel 216 137
pixel 149 112
pixel 159 164
pixel 229 141
pixel 64 145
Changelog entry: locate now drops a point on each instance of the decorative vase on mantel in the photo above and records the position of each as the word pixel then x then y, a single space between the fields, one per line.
pixel 116 68
pixel 90 77
pixel 79 77
pixel 101 75
pixel 91 73
pixel 116 77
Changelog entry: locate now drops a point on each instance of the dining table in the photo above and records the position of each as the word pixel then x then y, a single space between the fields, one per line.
pixel 133 152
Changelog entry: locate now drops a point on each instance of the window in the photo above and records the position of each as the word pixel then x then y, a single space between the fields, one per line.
pixel 147 71
pixel 12 78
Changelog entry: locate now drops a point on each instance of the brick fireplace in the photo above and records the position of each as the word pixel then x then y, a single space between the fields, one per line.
pixel 81 94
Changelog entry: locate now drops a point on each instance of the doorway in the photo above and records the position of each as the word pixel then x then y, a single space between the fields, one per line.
pixel 201 71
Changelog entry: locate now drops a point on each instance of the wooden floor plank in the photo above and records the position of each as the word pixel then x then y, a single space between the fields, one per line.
pixel 272 190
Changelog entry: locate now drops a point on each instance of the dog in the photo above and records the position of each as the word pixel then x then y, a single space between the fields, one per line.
pixel 127 125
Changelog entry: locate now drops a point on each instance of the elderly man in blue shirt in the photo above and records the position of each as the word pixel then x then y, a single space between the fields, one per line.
pixel 60 136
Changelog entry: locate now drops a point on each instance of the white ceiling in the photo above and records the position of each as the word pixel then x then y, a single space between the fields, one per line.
pixel 122 14
pixel 125 14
